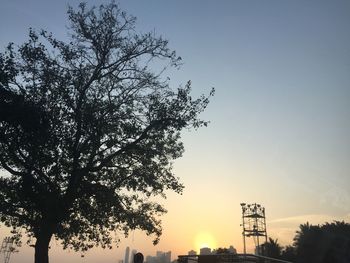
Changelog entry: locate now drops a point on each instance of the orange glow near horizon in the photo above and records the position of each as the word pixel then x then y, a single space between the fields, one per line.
pixel 204 239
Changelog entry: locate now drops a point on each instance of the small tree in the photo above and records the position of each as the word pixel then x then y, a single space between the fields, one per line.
pixel 272 248
pixel 88 131
pixel 289 254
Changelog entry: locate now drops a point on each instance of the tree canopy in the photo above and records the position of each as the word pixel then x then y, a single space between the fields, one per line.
pixel 272 248
pixel 325 243
pixel 89 130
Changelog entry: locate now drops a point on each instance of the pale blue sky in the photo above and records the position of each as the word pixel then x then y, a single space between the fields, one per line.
pixel 280 119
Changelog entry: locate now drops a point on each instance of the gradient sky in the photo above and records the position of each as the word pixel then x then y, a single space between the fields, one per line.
pixel 280 119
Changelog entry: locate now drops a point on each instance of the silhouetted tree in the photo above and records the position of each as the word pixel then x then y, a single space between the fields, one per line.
pixel 323 244
pixel 308 249
pixel 224 250
pixel 289 253
pixel 272 248
pixel 88 131
pixel 221 250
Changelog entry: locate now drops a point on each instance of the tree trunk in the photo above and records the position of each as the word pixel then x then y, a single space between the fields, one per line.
pixel 42 246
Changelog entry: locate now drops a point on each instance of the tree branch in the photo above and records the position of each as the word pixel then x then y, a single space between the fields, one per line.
pixel 131 145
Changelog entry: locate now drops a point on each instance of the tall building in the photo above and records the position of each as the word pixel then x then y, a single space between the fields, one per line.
pixel 127 253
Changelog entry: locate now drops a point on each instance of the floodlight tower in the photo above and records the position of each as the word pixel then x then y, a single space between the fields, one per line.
pixel 253 223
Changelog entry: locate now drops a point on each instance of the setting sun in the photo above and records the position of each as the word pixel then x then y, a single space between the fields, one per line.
pixel 204 239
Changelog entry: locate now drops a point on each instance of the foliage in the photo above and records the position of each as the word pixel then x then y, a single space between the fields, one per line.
pixel 329 242
pixel 221 250
pixel 272 248
pixel 88 130
pixel 289 254
pixel 224 250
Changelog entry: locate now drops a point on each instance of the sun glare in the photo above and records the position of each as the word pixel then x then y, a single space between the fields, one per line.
pixel 204 239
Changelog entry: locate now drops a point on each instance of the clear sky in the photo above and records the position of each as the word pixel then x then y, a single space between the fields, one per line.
pixel 280 119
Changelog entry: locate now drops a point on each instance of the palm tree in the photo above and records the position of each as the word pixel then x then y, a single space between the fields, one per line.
pixel 328 243
pixel 272 248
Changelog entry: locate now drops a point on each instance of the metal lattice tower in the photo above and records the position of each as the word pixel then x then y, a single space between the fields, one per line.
pixel 253 223
pixel 7 248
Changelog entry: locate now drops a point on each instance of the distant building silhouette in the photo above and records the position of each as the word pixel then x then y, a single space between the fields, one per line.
pixel 127 253
pixel 149 259
pixel 167 257
pixel 192 253
pixel 133 253
pixel 205 251
pixel 161 257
